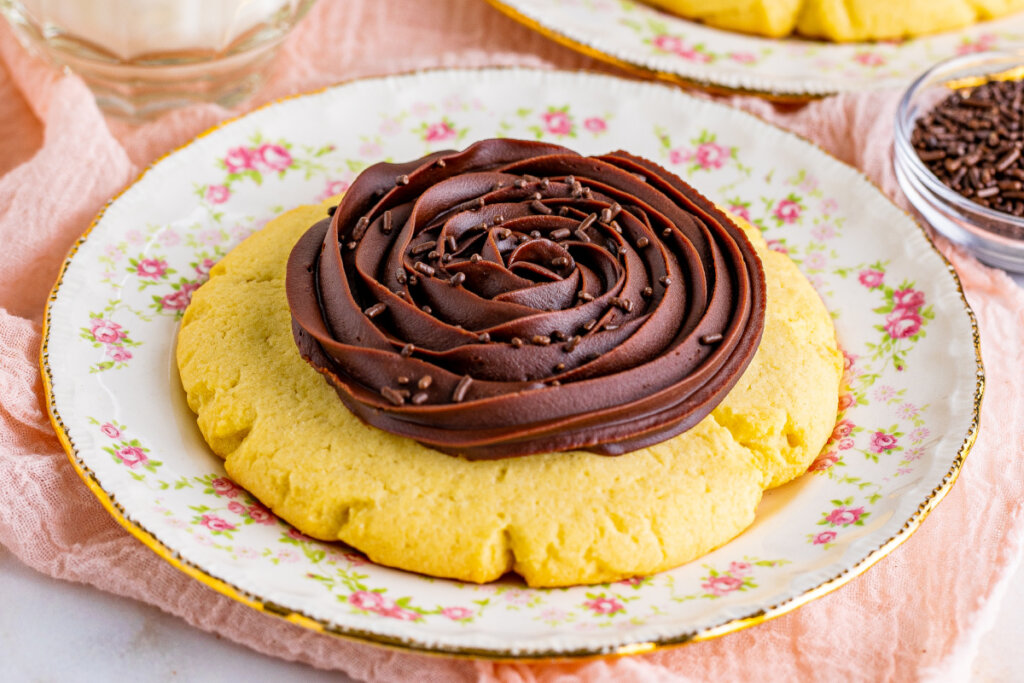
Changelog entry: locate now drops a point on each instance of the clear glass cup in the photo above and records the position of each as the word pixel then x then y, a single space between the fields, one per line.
pixel 995 237
pixel 144 57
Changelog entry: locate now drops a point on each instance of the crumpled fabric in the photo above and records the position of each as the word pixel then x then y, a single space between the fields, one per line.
pixel 917 615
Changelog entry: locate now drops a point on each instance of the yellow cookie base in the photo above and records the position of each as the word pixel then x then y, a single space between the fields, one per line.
pixel 841 20
pixel 555 519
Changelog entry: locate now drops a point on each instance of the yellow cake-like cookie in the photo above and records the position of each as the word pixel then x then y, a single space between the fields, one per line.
pixel 841 20
pixel 556 519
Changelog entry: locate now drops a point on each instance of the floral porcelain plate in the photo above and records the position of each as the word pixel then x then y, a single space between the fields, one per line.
pixel 661 45
pixel 906 419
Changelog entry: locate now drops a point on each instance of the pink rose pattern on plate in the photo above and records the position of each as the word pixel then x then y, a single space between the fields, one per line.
pixel 127 452
pixel 701 153
pixel 668 41
pixel 795 214
pixel 260 158
pixel 738 576
pixel 557 124
pixel 110 337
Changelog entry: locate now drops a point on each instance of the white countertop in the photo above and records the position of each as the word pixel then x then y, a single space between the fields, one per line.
pixel 52 630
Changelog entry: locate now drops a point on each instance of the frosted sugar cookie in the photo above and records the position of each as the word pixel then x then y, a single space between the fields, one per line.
pixel 519 359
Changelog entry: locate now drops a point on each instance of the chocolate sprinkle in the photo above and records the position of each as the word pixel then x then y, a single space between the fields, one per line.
pixel 407 350
pixel 361 225
pixel 540 207
pixel 540 340
pixel 376 309
pixel 402 180
pixel 421 248
pixel 587 222
pixel 623 304
pixel 457 279
pixel 606 215
pixel 424 268
pixel 420 397
pixel 560 234
pixel 461 388
pixel 425 382
pixel 709 339
pixel 392 395
pixel 385 225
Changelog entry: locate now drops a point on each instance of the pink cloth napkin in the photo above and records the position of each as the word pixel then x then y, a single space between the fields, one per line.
pixel 916 615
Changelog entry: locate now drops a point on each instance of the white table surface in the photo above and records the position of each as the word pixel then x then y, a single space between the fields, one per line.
pixel 52 630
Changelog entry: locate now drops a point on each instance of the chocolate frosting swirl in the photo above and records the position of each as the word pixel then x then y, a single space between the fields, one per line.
pixel 518 298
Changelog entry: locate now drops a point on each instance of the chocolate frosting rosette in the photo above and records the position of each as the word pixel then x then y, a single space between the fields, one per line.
pixel 518 298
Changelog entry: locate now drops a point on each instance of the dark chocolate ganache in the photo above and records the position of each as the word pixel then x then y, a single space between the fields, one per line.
pixel 518 298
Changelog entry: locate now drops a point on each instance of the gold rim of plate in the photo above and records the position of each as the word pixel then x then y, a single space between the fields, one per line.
pixel 109 502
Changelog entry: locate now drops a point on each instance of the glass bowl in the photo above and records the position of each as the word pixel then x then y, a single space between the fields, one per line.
pixel 995 237
pixel 144 57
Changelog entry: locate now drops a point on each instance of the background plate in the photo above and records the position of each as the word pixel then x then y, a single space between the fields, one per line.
pixel 906 421
pixel 662 45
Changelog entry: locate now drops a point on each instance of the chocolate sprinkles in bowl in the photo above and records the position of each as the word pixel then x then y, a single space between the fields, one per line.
pixel 554 301
pixel 972 142
pixel 958 153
